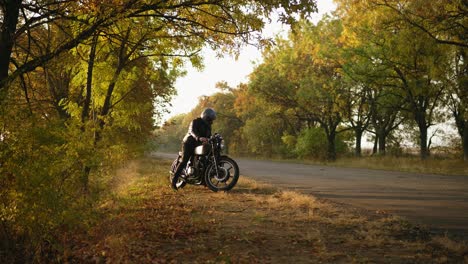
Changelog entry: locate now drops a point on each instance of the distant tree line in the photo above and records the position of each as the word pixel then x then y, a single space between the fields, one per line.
pixel 384 68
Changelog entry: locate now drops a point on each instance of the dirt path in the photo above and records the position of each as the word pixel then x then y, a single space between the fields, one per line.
pixel 438 202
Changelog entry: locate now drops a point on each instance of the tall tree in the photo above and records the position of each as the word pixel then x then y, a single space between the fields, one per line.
pixel 322 87
pixel 358 112
pixel 442 21
pixel 457 95
pixel 225 24
pixel 411 59
pixel 445 23
pixel 80 84
pixel 385 115
pixel 304 74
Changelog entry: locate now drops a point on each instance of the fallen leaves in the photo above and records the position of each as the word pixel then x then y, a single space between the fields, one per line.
pixel 195 225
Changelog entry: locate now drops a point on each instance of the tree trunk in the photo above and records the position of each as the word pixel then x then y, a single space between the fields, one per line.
pixel 107 100
pixel 424 153
pixel 382 143
pixel 463 132
pixel 85 179
pixel 376 142
pixel 465 142
pixel 7 35
pixel 331 151
pixel 89 79
pixel 358 151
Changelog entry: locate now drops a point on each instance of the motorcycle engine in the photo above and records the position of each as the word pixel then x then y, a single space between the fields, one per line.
pixel 189 171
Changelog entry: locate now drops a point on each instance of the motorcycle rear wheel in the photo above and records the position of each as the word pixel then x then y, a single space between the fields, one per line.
pixel 226 179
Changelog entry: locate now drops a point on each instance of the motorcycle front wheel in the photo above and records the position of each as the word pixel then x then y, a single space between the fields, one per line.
pixel 226 178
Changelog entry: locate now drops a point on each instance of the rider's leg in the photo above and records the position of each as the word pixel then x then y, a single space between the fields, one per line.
pixel 188 148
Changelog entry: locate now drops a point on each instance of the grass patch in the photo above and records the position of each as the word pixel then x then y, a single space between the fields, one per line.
pixel 431 165
pixel 146 222
pixel 407 164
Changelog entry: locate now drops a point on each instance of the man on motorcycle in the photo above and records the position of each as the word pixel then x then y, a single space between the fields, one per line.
pixel 198 133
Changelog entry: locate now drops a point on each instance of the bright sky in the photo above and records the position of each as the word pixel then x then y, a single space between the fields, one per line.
pixel 196 83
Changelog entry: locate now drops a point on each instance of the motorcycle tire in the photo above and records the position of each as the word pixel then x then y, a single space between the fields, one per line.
pixel 227 178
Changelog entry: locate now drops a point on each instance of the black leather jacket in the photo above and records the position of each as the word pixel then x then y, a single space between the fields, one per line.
pixel 198 128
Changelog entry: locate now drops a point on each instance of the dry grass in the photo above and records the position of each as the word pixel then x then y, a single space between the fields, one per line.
pixel 407 164
pixel 433 165
pixel 146 222
pixel 449 244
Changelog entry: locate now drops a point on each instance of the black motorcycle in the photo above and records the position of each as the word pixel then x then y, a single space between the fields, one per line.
pixel 207 167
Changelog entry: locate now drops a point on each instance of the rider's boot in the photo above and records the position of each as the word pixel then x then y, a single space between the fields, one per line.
pixel 178 173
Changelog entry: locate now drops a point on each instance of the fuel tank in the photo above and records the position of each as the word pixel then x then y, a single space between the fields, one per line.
pixel 202 149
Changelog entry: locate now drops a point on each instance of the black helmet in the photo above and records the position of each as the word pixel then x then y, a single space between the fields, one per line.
pixel 208 115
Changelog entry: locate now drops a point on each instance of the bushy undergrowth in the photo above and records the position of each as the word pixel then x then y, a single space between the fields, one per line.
pixel 51 178
pixel 312 143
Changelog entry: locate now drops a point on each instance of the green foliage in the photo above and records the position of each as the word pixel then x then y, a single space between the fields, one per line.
pixel 398 53
pixel 81 86
pixel 312 143
pixel 259 136
pixel 358 71
pixel 302 76
pixel 289 140
pixel 42 172
pixel 169 136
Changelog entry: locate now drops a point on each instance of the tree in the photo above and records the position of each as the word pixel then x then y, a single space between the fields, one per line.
pixel 193 24
pixel 457 95
pixel 376 107
pixel 259 114
pixel 304 75
pixel 170 134
pixel 445 23
pixel 80 85
pixel 412 61
pixel 442 21
pixel 322 88
pixel 357 104
pixel 385 115
pixel 358 113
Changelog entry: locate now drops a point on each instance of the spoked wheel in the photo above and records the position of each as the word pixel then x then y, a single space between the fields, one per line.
pixel 226 178
pixel 176 182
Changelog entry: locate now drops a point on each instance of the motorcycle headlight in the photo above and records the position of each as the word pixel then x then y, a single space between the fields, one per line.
pixel 222 145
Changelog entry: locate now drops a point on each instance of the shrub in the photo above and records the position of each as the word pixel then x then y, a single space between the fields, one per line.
pixel 312 143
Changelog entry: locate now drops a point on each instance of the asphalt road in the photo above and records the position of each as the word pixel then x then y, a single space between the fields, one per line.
pixel 438 202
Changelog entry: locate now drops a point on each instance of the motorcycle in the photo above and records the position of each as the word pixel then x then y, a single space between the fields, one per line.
pixel 207 167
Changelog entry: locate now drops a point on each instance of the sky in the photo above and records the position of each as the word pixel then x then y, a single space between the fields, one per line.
pixel 199 83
